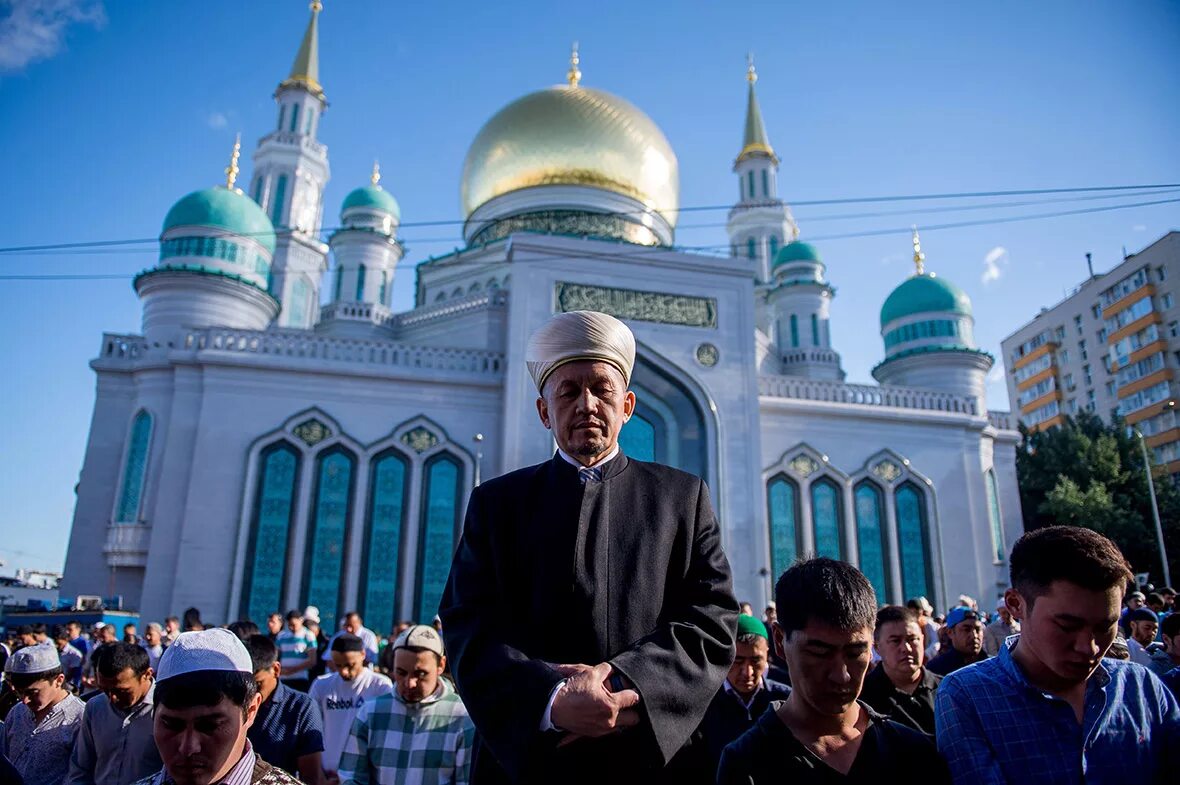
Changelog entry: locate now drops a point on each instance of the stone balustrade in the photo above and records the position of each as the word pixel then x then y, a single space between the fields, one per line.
pixel 799 388
pixel 495 298
pixel 369 313
pixel 1001 421
pixel 129 347
pixel 796 356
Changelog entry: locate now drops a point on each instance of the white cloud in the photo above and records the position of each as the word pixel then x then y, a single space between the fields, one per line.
pixel 34 30
pixel 217 120
pixel 1139 228
pixel 992 263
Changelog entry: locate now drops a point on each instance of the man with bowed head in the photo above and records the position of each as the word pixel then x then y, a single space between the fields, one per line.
pixel 900 687
pixel 341 694
pixel 206 701
pixel 1050 708
pixel 615 570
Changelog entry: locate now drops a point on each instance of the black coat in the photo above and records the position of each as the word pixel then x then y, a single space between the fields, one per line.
pixel 627 570
pixel 915 710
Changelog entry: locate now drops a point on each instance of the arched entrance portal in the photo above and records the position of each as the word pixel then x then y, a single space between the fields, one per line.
pixel 668 425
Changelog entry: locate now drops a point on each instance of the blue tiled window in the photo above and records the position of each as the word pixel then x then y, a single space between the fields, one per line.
pixel 782 504
pixel 825 518
pixel 270 526
pixel 135 469
pixel 913 541
pixel 388 493
pixel 870 537
pixel 440 524
pixel 323 569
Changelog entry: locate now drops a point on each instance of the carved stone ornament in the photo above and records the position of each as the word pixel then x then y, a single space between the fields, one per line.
pixel 803 465
pixel 708 355
pixel 312 432
pixel 419 439
pixel 638 306
pixel 887 471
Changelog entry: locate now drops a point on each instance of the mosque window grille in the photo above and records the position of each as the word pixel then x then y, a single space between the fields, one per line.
pixel 815 330
pixel 751 248
pixel 282 114
pixel 440 519
pixel 280 196
pixel 385 524
pixel 916 331
pixel 135 469
pixel 993 515
pixel 782 506
pixel 271 524
pixel 913 540
pixel 214 248
pixel 323 566
pixel 794 331
pixel 309 121
pixel 765 183
pixel 294 118
pixel 750 183
pixel 338 283
pixel 773 242
pixel 872 547
pixel 827 515
pixel 360 283
pixel 384 287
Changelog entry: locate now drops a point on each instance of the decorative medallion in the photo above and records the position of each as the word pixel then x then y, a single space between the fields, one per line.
pixel 887 471
pixel 803 465
pixel 419 439
pixel 708 355
pixel 639 306
pixel 312 432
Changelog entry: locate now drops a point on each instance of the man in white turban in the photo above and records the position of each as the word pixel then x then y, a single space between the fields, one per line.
pixel 589 612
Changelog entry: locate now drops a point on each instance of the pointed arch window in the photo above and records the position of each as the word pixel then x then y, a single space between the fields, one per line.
pixel 826 514
pixel 270 528
pixel 323 567
pixel 300 294
pixel 765 183
pixel 794 331
pixel 384 524
pixel 750 183
pixel 773 246
pixel 280 195
pixel 782 505
pixel 294 117
pixel 360 283
pixel 384 286
pixel 437 538
pixel 814 330
pixel 870 537
pixel 338 282
pixel 913 540
pixel 751 248
pixel 993 515
pixel 135 469
pixel 282 113
pixel 310 120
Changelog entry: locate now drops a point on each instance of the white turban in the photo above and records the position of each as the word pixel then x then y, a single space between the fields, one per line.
pixel 580 335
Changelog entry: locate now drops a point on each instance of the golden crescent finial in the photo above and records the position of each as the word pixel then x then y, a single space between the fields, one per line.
pixel 316 6
pixel 751 74
pixel 574 75
pixel 231 171
pixel 375 178
pixel 919 257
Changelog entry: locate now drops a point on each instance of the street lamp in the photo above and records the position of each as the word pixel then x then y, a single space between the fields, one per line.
pixel 1155 510
pixel 478 439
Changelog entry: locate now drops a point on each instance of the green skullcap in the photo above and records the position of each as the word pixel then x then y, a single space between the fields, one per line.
pixel 748 625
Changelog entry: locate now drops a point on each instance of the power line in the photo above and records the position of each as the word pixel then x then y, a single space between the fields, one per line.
pixel 638 252
pixel 703 208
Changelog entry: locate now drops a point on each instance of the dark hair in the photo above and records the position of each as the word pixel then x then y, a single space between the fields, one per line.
pixel 129 626
pixel 293 615
pixel 828 591
pixel 74 623
pixel 206 688
pixel 25 680
pixel 24 629
pixel 1155 598
pixel 1170 626
pixel 891 613
pixel 111 659
pixel 39 629
pixel 192 618
pixel 243 628
pixel 1066 553
pixel 263 652
pixel 60 633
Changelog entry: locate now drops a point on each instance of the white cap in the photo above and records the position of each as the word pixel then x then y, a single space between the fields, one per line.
pixel 420 636
pixel 215 649
pixel 38 658
pixel 579 335
pixel 311 613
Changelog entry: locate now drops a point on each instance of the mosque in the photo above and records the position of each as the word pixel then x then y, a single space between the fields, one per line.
pixel 278 436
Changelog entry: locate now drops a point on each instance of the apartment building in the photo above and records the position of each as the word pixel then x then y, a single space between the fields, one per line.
pixel 1112 346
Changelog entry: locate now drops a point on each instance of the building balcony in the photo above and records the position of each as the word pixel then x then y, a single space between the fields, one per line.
pixel 373 314
pixel 1127 300
pixel 127 545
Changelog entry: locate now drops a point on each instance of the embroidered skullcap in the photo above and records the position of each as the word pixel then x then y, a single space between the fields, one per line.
pixel 39 658
pixel 215 649
pixel 580 335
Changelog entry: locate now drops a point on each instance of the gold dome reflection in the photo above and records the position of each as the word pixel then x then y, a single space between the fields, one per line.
pixel 572 136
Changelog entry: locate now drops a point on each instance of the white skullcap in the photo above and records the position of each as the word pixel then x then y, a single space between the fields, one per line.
pixel 206 650
pixel 580 335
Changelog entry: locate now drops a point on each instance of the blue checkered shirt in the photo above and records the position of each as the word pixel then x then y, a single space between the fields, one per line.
pixel 993 726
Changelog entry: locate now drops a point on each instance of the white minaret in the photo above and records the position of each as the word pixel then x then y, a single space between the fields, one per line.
pixel 290 172
pixel 760 223
pixel 798 299
pixel 366 250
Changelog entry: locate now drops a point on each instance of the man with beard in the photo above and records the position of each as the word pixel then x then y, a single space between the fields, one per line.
pixel 822 733
pixel 613 573
pixel 899 687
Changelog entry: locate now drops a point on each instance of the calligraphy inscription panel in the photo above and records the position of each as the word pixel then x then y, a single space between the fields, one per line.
pixel 638 306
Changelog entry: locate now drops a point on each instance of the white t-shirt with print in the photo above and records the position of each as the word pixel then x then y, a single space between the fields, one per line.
pixel 338 701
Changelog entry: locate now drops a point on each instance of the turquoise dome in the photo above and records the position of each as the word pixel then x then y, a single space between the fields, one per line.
pixel 222 208
pixel 922 294
pixel 373 196
pixel 796 252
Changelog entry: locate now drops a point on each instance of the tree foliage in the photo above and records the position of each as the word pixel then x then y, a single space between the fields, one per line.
pixel 1088 473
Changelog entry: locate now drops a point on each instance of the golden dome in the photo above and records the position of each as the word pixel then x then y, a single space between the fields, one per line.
pixel 572 135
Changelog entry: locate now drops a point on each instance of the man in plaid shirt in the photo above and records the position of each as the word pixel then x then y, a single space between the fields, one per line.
pixel 419 735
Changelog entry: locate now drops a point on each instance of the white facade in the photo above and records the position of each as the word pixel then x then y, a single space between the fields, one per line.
pixel 244 468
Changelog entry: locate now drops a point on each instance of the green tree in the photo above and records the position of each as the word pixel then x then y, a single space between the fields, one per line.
pixel 1087 473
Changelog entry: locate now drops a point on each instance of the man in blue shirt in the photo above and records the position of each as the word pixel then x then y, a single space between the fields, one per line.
pixel 1049 709
pixel 288 731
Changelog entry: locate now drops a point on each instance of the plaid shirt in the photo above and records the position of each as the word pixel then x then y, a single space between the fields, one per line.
pixel 994 726
pixel 397 743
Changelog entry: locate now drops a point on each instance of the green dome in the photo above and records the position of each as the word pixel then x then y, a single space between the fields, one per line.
pixel 372 196
pixel 796 252
pixel 922 294
pixel 222 208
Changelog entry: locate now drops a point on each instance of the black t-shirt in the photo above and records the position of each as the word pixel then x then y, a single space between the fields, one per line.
pixel 769 754
pixel 914 710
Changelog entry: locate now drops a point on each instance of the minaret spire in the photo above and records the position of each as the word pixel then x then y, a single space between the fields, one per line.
pixel 231 171
pixel 305 71
pixel 755 141
pixel 574 75
pixel 919 257
pixel 375 177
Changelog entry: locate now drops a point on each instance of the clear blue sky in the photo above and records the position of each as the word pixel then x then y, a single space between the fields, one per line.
pixel 139 102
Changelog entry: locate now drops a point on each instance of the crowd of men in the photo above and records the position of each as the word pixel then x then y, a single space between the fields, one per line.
pixel 592 636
